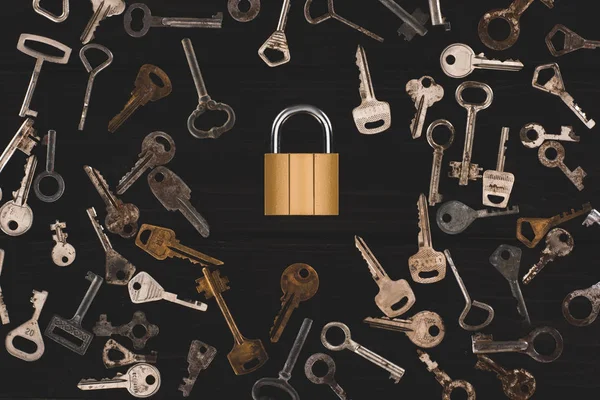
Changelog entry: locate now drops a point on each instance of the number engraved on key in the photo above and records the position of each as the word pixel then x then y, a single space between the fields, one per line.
pixel 63 253
pixel 424 93
pixel 104 328
pixel 329 377
pixel 142 380
pixel 559 243
pixel 93 72
pixel 534 135
pixel 16 217
pixel 453 217
pixel 30 331
pixel 444 379
pixel 571 41
pixel 127 357
pixel 576 176
pixel 459 60
pixel 425 329
pixel 50 142
pixel 199 358
pixel 435 196
pixel 102 10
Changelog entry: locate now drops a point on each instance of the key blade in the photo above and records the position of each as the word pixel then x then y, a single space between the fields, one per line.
pixel 194 217
pixel 288 304
pixel 366 84
pixel 199 358
pixel 389 324
pixel 375 267
pixel 193 304
pixel 102 187
pixel 424 236
pixel 193 256
pixel 480 61
pixel 485 213
pixel 21 195
pixel 134 174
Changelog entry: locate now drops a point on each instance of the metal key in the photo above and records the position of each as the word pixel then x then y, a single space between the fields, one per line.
pixel 4 318
pixel 150 21
pixel 121 218
pixel 277 42
pixel 63 253
pixel 592 218
pixel 243 16
pixel 162 243
pixel 102 10
pixel 576 176
pixel 498 183
pixel 511 15
pixel 559 243
pixel 394 297
pixel 466 170
pixel 143 288
pixel 104 328
pixel 142 380
pixel 205 102
pixel 93 72
pixel 507 260
pixel 175 195
pixel 299 282
pixel 24 140
pixel 40 58
pixel 29 330
pixel 556 86
pixel 247 355
pixel 282 382
pixel 571 41
pixel 424 93
pixel 16 217
pixel 453 217
pixel 332 14
pixel 396 373
pixel 517 384
pixel 371 116
pixel 534 135
pixel 435 196
pixel 413 24
pixel 51 16
pixel 592 294
pixel 145 90
pixel 158 148
pixel 425 329
pixel 485 344
pixel 50 142
pixel 437 18
pixel 443 379
pixel 468 302
pixel 127 357
pixel 329 377
pixel 199 358
pixel 459 60
pixel 427 265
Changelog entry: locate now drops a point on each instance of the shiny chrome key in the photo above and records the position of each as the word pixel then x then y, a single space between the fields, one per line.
pixel 453 217
pixel 534 135
pixel 576 176
pixel 424 93
pixel 435 196
pixel 459 60
pixel 16 217
pixel 142 380
pixel 145 289
pixel 425 329
pixel 93 72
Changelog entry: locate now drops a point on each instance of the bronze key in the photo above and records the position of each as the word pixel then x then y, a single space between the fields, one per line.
pixel 299 282
pixel 145 90
pixel 247 355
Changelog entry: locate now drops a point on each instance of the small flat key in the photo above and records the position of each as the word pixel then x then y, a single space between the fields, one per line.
pixel 592 294
pixel 50 142
pixel 51 16
pixel 437 18
pixel 459 60
pixel 143 288
pixel 329 377
pixel 299 282
pixel 412 24
pixel 417 328
pixel 127 357
pixel 576 176
pixel 199 358
pixel 468 302
pixel 559 243
pixel 453 217
pixel 16 217
pixel 534 135
pixel 150 21
pixel 592 218
pixel 104 328
pixel 63 253
pixel 24 140
pixel 571 41
pixel 443 379
pixel 277 42
pixel 435 196
pixel 498 184
pixel 102 9
pixel 145 90
pixel 394 297
pixel 93 72
pixel 517 384
pixel 396 373
pixel 243 15
pixel 29 330
pixel 556 86
pixel 4 318
pixel 424 93
pixel 142 380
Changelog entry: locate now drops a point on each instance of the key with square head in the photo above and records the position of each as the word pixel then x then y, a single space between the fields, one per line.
pixel 158 148
pixel 556 86
pixel 497 184
pixel 437 18
pixel 507 260
pixel 16 217
pixel 424 93
pixel 444 379
pixel 50 142
pixel 72 328
pixel 329 377
pixel 104 328
pixel 102 9
pixel 592 295
pixel 277 42
pixel 592 218
pixel 24 140
pixel 453 217
pixel 199 358
pixel 534 135
pixel 394 297
pixel 121 218
pixel 396 373
pixel 51 16
pixel 30 331
pixel 145 90
pixel 435 196
pixel 412 24
pixel 143 288
pixel 459 60
pixel 247 355
pixel 93 72
pixel 63 253
pixel 517 384
pixel 205 102
pixel 246 15
pixel 425 329
pixel 4 318
pixel 127 357
pixel 559 243
pixel 142 380
pixel 299 282
pixel 576 176
pixel 571 41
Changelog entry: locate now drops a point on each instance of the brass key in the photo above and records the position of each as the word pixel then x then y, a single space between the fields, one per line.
pixel 247 355
pixel 145 90
pixel 299 282
pixel 161 244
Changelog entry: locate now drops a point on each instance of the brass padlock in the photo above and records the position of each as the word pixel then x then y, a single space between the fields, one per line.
pixel 301 184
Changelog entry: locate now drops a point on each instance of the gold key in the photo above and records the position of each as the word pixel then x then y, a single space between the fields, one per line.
pixel 161 244
pixel 247 355
pixel 145 90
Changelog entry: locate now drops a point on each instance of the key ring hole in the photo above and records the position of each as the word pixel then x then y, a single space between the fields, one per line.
pixel 500 29
pixel 544 76
pixel 445 139
pixel 473 95
pixel 121 275
pixel 563 237
pixel 48 185
pixel 447 218
pixel 459 393
pixel 243 5
pixel 115 355
pixel 304 273
pixel 128 229
pixel 150 380
pixel 23 344
pixel 163 142
pixel 13 225
pixel 136 286
pixel 426 82
pixel 551 154
pixel 65 259
pixel 434 330
pixel 558 40
pixel 580 307
pixel 505 255
pixel 544 344
pixel 157 80
pixel 209 120
pixel 144 236
pixel 450 60
pixel 139 331
pixel 159 177
pixel 532 135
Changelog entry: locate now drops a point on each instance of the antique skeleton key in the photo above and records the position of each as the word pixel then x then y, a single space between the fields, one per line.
pixel 425 329
pixel 539 136
pixel 30 331
pixel 435 196
pixel 424 93
pixel 453 217
pixel 329 377
pixel 277 42
pixel 102 10
pixel 104 328
pixel 443 379
pixel 459 60
pixel 63 253
pixel 497 184
pixel 24 140
pixel 4 318
pixel 559 243
pixel 16 217
pixel 243 15
pixel 576 176
pixel 142 380
pixel 199 358
pixel 517 384
pixel 93 72
pixel 143 288
pixel 50 142
pixel 128 357
pixel 412 24
pixel 571 41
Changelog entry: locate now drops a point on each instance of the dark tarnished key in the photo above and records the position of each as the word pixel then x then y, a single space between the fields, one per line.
pixel 329 377
pixel 444 379
pixel 518 384
pixel 243 16
pixel 199 358
pixel 127 357
pixel 104 328
pixel 571 41
pixel 559 243
pixel 453 217
pixel 592 294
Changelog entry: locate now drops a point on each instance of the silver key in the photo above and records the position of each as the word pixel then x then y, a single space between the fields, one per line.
pixel 576 176
pixel 50 142
pixel 30 331
pixel 102 10
pixel 51 16
pixel 498 183
pixel 329 377
pixel 142 380
pixel 199 358
pixel 417 328
pixel 424 93
pixel 459 60
pixel 24 140
pixel 571 41
pixel 592 218
pixel 559 243
pixel 394 297
pixel 150 21
pixel 413 24
pixel 468 302
pixel 592 295
pixel 127 357
pixel 175 195
pixel 396 373
pixel 119 270
pixel 145 289
pixel 158 148
pixel 4 318
pixel 277 42
pixel 443 379
pixel 16 217
pixel 453 217
pixel 63 253
pixel 556 86
pixel 93 72
pixel 435 196
pixel 437 18
pixel 539 136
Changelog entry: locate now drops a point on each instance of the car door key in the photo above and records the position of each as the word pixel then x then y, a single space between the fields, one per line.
pixel 539 136
pixel 329 377
pixel 459 60
pixel 453 217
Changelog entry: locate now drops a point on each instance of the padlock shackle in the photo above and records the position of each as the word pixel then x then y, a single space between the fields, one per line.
pixel 301 109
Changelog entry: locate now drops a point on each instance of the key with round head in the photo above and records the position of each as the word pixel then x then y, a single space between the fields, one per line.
pixel 127 357
pixel 517 384
pixel 93 72
pixel 145 90
pixel 425 329
pixel 51 16
pixel 507 260
pixel 459 60
pixel 50 142
pixel 63 253
pixel 498 184
pixel 435 196
pixel 534 135
pixel 559 243
pixel 24 140
pixel 329 377
pixel 412 23
pixel 243 15
pixel 102 9
pixel 592 295
pixel 424 93
pixel 199 358
pixel 16 217
pixel 30 331
pixel 4 318
pixel 444 379
pixel 277 42
pixel 453 217
pixel 143 288
pixel 141 381
pixel 576 176
pixel 571 41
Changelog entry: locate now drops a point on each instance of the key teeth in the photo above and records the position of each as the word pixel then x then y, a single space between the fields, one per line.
pixel 141 160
